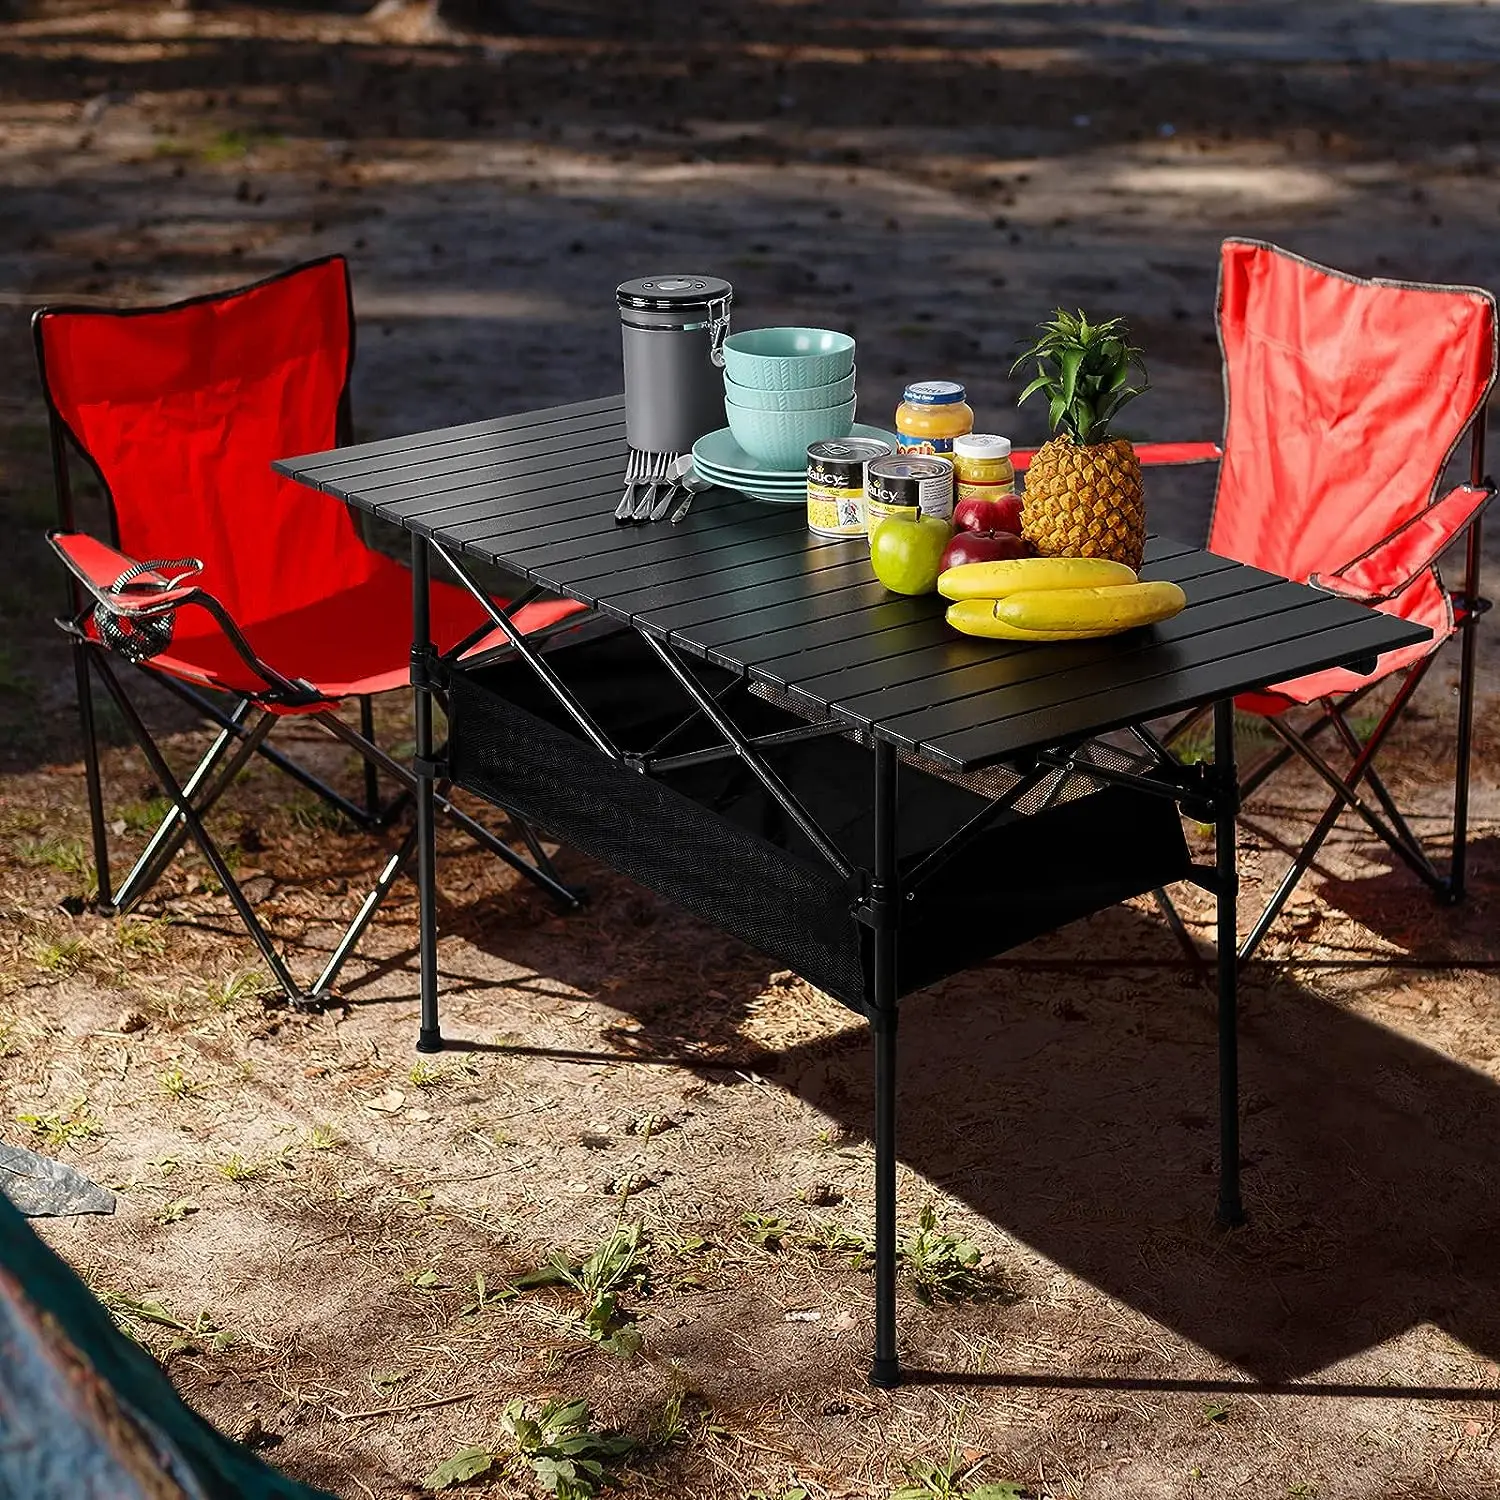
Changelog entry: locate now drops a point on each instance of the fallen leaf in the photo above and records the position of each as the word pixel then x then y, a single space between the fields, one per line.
pixel 388 1103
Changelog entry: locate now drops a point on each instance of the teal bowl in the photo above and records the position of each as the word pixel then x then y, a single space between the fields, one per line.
pixel 812 398
pixel 782 437
pixel 788 359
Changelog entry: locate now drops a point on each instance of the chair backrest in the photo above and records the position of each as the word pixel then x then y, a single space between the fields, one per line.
pixel 181 409
pixel 1345 400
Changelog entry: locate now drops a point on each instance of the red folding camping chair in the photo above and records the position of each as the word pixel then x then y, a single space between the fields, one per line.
pixel 221 576
pixel 1346 400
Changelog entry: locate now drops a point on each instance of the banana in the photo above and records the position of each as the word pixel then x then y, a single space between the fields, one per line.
pixel 1067 614
pixel 1119 607
pixel 994 580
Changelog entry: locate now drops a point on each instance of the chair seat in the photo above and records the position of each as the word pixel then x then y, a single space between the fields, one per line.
pixel 350 644
pixel 1425 602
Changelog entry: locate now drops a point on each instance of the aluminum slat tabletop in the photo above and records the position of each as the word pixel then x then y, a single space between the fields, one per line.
pixel 745 585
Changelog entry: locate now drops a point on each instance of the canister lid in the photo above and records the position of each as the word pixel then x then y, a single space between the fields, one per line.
pixel 668 293
pixel 981 445
pixel 935 393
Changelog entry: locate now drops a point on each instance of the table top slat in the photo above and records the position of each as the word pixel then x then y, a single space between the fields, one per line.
pixel 308 466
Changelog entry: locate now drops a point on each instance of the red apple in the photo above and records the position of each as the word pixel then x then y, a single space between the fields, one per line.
pixel 1003 514
pixel 984 546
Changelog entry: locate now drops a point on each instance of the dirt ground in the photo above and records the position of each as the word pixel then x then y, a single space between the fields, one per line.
pixel 320 1233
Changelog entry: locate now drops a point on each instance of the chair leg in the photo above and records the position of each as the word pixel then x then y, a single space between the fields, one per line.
pixel 85 689
pixel 1459 868
pixel 372 780
pixel 323 986
pixel 200 835
pixel 1330 816
pixel 171 833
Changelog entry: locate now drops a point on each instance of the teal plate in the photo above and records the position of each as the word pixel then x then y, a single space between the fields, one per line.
pixel 717 455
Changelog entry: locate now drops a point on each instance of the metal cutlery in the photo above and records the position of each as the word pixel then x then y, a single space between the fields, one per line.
pixel 692 484
pixel 680 468
pixel 632 475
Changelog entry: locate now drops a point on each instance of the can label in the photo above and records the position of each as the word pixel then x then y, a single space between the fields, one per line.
pixel 876 511
pixel 835 512
pixel 912 483
pixel 836 484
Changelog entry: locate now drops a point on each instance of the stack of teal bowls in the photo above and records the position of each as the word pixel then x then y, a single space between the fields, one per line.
pixel 785 388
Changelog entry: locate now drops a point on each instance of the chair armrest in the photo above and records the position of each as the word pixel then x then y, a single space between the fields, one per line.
pixel 1150 454
pixel 97 566
pixel 1396 561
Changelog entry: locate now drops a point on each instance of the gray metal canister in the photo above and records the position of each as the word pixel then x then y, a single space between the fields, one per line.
pixel 673 329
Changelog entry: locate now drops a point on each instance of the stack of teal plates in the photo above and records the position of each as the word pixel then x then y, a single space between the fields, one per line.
pixel 721 460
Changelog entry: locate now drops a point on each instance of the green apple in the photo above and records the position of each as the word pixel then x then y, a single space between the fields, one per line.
pixel 907 554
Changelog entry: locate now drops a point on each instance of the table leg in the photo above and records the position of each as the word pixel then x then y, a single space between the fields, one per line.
pixel 429 1033
pixel 1226 888
pixel 885 1370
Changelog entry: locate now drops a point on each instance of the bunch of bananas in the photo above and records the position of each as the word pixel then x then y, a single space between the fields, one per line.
pixel 1053 598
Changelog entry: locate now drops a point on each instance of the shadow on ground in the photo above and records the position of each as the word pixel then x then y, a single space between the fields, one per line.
pixel 1074 1105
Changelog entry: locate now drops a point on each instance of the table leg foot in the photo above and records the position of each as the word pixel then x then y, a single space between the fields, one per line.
pixel 885 1374
pixel 1230 1214
pixel 429 1039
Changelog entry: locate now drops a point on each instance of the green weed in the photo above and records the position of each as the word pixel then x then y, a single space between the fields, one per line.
pixel 143 938
pixel 931 1481
pixel 176 1211
pixel 766 1230
pixel 65 1127
pixel 617 1265
pixel 177 1084
pixel 940 1265
pixel 556 1441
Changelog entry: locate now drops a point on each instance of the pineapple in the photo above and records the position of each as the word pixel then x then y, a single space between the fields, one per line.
pixel 1083 491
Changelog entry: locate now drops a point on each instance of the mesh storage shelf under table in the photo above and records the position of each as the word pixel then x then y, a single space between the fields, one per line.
pixel 711 837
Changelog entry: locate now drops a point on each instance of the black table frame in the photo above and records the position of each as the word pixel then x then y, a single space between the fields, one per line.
pixel 1207 792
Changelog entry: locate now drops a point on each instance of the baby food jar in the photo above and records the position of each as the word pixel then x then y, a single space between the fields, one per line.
pixel 932 413
pixel 982 469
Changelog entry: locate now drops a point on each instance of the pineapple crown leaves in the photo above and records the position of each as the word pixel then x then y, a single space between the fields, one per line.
pixel 1084 369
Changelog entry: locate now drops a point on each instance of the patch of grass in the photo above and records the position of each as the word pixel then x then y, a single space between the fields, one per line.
pixel 1215 1411
pixel 65 1127
pixel 241 986
pixel 555 1440
pixel 240 1168
pixel 65 956
pixel 484 1296
pixel 940 1265
pixel 236 145
pixel 145 815
pixel 68 856
pixel 178 1084
pixel 176 1211
pixel 323 1138
pixel 765 1230
pixel 142 938
pixel 312 814
pixel 829 1237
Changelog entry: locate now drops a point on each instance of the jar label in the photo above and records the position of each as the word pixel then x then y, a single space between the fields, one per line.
pixel 936 447
pixel 969 489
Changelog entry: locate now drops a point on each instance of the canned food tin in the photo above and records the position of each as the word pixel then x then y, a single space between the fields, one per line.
pixel 836 484
pixel 908 485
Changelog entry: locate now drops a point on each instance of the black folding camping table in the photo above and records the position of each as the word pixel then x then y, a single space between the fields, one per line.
pixel 819 767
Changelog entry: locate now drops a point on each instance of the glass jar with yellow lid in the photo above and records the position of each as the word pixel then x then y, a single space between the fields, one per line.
pixel 982 467
pixel 932 413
